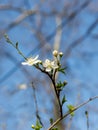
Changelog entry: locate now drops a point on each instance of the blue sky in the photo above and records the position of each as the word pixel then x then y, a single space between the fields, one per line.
pixel 17 107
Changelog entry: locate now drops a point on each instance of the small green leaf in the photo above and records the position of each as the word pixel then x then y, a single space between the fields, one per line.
pixel 16 45
pixel 38 124
pixel 65 83
pixel 71 109
pixel 62 70
pixel 37 127
pixel 86 113
pixel 33 127
pixel 64 100
pixel 51 121
pixel 7 39
pixel 60 85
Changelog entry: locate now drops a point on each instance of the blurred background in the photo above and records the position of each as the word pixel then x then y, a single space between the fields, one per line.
pixel 40 26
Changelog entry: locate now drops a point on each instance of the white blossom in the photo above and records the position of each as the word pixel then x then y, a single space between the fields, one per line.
pixel 31 61
pixel 49 65
pixel 55 53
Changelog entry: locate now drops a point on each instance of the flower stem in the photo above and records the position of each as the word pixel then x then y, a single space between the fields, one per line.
pixel 52 78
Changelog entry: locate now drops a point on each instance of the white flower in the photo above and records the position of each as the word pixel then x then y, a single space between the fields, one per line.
pixel 31 61
pixel 49 65
pixel 55 53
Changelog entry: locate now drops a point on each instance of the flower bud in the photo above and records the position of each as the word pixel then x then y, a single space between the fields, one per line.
pixel 60 54
pixel 33 126
pixel 55 53
pixel 65 83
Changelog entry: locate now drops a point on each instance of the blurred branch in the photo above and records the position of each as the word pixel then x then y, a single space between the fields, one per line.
pixel 4 7
pixel 75 13
pixel 28 13
pixel 80 39
pixel 94 36
pixel 58 34
pixel 36 105
pixel 21 17
pixel 56 46
pixel 48 38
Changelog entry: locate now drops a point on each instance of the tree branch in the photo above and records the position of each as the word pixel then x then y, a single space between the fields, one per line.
pixel 68 113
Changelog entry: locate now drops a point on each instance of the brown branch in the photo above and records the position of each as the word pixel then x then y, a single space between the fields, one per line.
pixel 52 78
pixel 68 113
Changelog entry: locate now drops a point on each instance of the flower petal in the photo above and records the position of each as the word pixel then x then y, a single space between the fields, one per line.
pixel 48 69
pixel 24 63
pixel 31 61
pixel 35 58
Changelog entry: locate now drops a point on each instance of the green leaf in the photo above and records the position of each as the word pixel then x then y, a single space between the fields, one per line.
pixel 33 127
pixel 7 39
pixel 64 83
pixel 37 127
pixel 60 85
pixel 51 121
pixel 71 109
pixel 16 45
pixel 62 70
pixel 64 100
pixel 86 113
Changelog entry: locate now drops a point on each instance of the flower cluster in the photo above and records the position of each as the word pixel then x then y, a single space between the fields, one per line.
pixel 48 65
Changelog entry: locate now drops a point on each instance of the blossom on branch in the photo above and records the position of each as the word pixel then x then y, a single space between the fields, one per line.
pixel 32 61
pixel 50 65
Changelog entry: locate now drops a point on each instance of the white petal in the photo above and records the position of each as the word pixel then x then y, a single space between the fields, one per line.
pixel 36 61
pixel 55 53
pixel 35 57
pixel 24 63
pixel 54 65
pixel 46 63
pixel 48 69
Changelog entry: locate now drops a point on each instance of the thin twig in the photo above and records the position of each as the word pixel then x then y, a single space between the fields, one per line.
pixel 52 78
pixel 87 119
pixel 68 113
pixel 36 105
